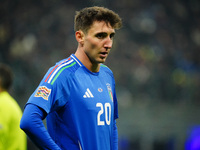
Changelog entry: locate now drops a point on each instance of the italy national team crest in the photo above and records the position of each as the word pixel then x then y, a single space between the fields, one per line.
pixel 110 91
pixel 43 92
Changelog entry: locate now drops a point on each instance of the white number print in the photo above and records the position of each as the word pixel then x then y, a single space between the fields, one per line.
pixel 107 109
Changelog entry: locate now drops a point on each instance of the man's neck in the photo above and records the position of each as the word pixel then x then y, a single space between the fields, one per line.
pixel 81 55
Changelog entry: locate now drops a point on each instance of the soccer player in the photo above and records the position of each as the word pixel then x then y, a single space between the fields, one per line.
pixel 77 95
pixel 11 136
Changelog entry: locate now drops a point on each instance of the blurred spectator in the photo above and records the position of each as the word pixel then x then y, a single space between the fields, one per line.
pixel 11 136
pixel 193 141
pixel 159 43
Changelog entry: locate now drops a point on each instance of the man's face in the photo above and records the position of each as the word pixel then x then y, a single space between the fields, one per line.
pixel 98 42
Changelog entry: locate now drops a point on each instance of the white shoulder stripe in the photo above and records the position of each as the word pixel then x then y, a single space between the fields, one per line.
pixel 54 73
pixel 76 60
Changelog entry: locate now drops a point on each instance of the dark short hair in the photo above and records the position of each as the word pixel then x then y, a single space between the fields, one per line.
pixel 85 18
pixel 6 76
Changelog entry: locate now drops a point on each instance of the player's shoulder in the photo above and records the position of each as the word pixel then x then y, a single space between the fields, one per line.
pixel 106 69
pixel 63 68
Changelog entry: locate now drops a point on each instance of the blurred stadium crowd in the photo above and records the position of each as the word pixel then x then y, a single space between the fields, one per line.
pixel 156 55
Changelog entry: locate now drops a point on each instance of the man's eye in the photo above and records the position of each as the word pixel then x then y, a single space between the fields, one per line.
pixel 101 35
pixel 112 35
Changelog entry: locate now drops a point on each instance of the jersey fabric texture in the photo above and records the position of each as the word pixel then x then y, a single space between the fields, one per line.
pixel 81 105
pixel 11 136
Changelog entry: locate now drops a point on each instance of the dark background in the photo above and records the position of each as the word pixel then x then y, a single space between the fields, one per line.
pixel 155 60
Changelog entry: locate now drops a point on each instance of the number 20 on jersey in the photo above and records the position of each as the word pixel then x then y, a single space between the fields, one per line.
pixel 105 109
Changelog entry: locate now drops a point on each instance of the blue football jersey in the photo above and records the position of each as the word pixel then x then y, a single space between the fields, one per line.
pixel 81 105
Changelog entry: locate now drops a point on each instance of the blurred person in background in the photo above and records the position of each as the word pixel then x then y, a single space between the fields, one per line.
pixel 11 136
pixel 193 139
pixel 77 95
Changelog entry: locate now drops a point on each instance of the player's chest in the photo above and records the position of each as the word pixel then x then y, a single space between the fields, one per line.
pixel 92 89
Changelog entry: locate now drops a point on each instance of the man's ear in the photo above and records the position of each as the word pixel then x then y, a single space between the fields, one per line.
pixel 80 37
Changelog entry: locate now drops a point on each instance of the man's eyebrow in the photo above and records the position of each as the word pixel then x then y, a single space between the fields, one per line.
pixel 101 34
pixel 105 33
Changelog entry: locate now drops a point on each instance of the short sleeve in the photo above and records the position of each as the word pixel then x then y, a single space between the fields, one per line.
pixel 51 97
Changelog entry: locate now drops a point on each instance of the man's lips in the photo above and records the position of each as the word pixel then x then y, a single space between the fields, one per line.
pixel 103 54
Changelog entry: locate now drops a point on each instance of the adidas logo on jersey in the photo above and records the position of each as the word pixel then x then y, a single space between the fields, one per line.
pixel 88 94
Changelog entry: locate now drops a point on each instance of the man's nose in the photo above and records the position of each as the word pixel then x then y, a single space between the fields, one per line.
pixel 108 43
